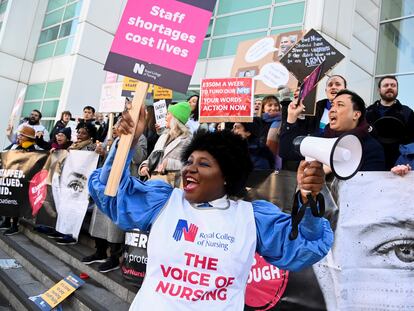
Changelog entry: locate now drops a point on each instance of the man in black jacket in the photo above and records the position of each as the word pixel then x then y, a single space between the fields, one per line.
pixel 347 115
pixel 392 123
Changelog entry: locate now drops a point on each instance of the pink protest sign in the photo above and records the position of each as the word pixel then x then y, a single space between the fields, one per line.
pixel 159 41
pixel 226 100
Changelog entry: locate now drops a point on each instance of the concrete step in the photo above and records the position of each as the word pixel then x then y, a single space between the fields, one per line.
pixel 47 266
pixel 72 255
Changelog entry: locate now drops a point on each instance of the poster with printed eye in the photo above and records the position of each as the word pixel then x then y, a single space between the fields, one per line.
pixel 70 191
pixel 159 41
pixel 371 264
pixel 226 100
pixel 22 184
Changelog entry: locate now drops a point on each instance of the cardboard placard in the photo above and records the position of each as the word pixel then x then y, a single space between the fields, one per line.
pixel 160 111
pixel 311 51
pixel 159 41
pixel 111 99
pixel 259 58
pixel 226 100
pixel 59 292
pixel 162 93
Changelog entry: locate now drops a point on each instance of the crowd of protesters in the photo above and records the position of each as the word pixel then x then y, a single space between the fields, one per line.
pixel 385 129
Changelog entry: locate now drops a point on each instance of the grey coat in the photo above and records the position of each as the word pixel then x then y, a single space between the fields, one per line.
pixel 101 226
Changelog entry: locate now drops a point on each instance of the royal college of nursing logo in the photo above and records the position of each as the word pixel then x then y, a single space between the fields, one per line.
pixel 182 228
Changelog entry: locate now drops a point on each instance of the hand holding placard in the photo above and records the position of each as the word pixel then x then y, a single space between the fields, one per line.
pixel 131 127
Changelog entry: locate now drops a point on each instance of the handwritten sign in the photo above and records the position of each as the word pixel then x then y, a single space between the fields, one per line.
pixel 311 51
pixel 159 41
pixel 160 110
pixel 111 99
pixel 226 100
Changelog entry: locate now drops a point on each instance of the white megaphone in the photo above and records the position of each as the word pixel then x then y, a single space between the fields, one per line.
pixel 343 154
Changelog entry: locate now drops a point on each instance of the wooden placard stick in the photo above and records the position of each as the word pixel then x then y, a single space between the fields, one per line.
pixel 109 138
pixel 125 141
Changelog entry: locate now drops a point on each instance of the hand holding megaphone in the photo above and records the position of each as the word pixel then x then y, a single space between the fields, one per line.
pixel 310 179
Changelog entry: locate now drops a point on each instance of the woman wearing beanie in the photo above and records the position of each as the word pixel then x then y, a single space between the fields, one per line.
pixel 165 158
pixel 61 140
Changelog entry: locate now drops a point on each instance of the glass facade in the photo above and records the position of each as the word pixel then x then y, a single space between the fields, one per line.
pixel 45 98
pixel 396 46
pixel 59 28
pixel 3 7
pixel 236 21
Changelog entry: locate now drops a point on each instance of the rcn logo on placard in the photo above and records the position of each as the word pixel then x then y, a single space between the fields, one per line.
pixel 139 68
pixel 182 228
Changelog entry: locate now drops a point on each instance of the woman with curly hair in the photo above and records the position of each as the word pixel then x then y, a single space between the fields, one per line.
pixel 203 239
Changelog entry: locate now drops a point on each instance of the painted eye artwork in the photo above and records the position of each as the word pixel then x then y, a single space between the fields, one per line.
pixel 77 182
pixel 399 252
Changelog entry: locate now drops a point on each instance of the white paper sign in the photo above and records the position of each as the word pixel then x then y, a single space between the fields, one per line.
pixel 111 99
pixel 160 110
pixel 70 191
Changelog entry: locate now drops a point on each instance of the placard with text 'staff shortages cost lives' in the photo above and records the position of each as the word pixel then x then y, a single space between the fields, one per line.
pixel 159 41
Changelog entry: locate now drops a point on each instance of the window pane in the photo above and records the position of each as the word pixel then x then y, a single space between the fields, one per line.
pixel 228 6
pixel 3 7
pixel 35 91
pixel 204 49
pixel 210 27
pixel 53 89
pixel 45 51
pixel 396 46
pixel 54 4
pixel 28 107
pixel 49 34
pixel 68 28
pixel 228 46
pixel 53 18
pixel 64 46
pixel 49 108
pixel 288 14
pixel 405 94
pixel 72 11
pixel 241 22
pixel 282 30
pixel 396 8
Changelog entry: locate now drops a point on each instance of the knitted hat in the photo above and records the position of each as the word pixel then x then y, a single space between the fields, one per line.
pixel 67 132
pixel 181 111
pixel 28 132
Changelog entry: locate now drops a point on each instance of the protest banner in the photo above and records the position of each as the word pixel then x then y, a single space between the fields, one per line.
pixel 226 100
pixel 160 111
pixel 16 109
pixel 111 99
pixel 265 285
pixel 58 293
pixel 156 42
pixel 21 185
pixel 70 191
pixel 259 59
pixel 162 93
pixel 135 256
pixel 159 41
pixel 370 266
